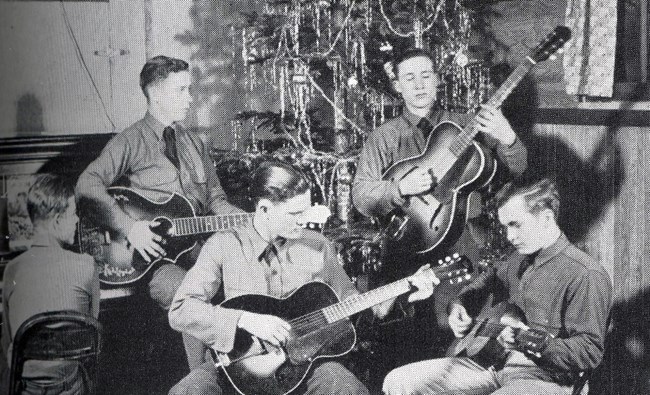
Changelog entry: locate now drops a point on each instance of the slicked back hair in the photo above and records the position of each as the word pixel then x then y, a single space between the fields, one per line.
pixel 157 69
pixel 48 195
pixel 538 195
pixel 409 54
pixel 277 181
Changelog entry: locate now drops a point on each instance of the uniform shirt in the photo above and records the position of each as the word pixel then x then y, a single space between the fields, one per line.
pixel 138 154
pixel 563 291
pixel 232 262
pixel 46 278
pixel 399 139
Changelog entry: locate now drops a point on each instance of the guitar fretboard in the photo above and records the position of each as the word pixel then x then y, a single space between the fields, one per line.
pixel 466 137
pixel 357 303
pixel 196 225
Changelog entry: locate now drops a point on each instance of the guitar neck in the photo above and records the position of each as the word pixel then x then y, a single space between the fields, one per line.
pixel 490 329
pixel 208 224
pixel 465 138
pixel 358 303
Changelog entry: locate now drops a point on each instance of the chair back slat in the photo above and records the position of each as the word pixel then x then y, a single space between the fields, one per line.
pixel 56 336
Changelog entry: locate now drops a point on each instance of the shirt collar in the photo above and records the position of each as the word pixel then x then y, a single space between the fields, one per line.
pixel 158 127
pixel 258 244
pixel 42 240
pixel 412 120
pixel 553 250
pixel 154 124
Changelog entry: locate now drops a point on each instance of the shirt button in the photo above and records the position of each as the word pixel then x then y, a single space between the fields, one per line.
pixel 274 272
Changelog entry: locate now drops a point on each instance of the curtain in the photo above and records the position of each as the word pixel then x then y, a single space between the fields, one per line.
pixel 589 55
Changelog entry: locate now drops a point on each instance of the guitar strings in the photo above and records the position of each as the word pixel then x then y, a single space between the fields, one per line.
pixel 306 321
pixel 318 318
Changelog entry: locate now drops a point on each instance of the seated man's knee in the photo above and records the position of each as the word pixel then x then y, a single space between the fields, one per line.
pixel 164 283
pixel 200 381
pixel 393 384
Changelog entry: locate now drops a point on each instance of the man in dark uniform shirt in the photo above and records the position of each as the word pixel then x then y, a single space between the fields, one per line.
pixel 158 157
pixel 559 289
pixel 406 135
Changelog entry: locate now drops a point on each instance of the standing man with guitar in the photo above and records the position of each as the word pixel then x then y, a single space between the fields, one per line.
pixel 406 136
pixel 271 258
pixel 157 157
pixel 563 298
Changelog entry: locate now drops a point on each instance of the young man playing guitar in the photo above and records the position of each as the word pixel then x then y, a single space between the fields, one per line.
pixel 157 157
pixel 405 136
pixel 273 256
pixel 562 293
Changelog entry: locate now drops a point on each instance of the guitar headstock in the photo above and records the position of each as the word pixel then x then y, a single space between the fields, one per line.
pixel 532 341
pixel 551 44
pixel 453 269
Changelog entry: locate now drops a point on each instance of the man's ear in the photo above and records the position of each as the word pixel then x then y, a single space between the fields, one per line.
pixel 397 86
pixel 548 215
pixel 54 223
pixel 263 205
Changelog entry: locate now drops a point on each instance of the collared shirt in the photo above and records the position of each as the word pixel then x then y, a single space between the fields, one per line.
pixel 232 262
pixel 138 154
pixel 399 139
pixel 564 292
pixel 46 278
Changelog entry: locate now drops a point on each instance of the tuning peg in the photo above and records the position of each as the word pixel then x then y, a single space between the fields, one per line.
pixel 561 50
pixel 553 57
pixel 456 255
pixel 440 262
pixel 447 259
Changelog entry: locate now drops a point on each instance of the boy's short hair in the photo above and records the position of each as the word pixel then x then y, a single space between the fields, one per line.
pixel 277 181
pixel 158 68
pixel 538 194
pixel 409 54
pixel 48 195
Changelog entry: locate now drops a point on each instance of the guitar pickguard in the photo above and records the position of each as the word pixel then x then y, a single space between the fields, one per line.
pixel 436 219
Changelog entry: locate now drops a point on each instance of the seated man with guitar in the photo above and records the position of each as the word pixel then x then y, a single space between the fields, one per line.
pixel 156 157
pixel 281 319
pixel 433 192
pixel 550 326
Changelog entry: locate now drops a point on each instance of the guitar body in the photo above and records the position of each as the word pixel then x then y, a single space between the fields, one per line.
pixel 480 343
pixel 121 263
pixel 256 368
pixel 436 219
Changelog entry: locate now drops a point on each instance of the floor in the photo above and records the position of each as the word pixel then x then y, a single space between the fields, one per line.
pixel 140 354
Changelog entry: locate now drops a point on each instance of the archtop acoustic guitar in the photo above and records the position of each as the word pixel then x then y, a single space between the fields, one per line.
pixel 179 227
pixel 459 165
pixel 320 328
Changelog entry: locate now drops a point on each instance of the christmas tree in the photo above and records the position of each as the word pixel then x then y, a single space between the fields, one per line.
pixel 328 64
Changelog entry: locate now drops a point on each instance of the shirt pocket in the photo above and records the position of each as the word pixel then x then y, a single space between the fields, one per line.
pixel 198 176
pixel 157 174
pixel 544 313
